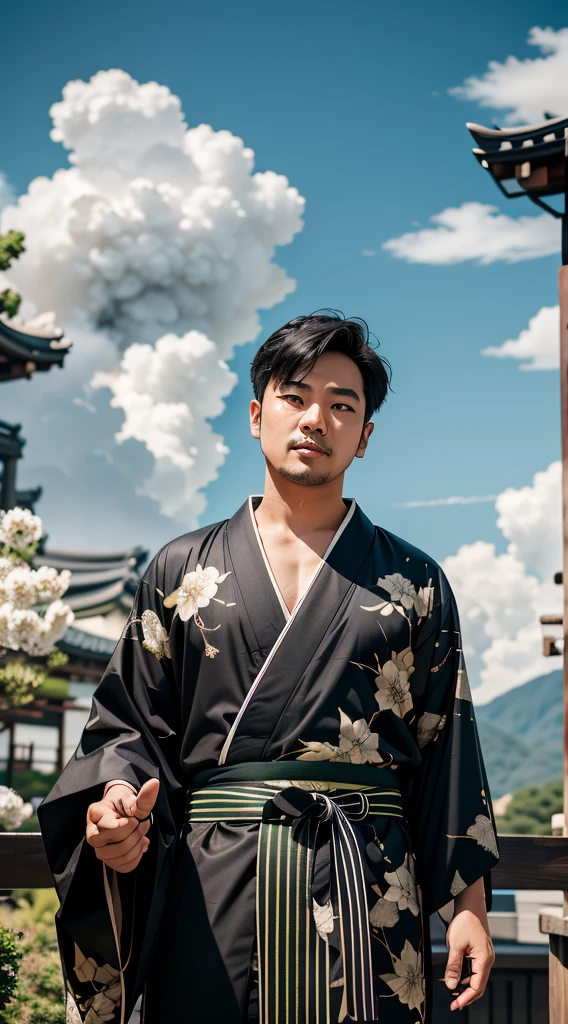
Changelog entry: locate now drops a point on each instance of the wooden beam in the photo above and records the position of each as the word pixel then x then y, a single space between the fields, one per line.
pixel 527 862
pixel 531 862
pixel 23 864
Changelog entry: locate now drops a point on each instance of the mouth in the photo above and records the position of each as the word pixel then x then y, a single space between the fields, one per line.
pixel 309 449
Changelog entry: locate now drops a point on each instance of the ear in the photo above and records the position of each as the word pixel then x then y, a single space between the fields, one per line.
pixel 367 431
pixel 255 418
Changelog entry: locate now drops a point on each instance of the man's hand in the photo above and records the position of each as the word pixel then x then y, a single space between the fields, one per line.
pixel 468 934
pixel 114 828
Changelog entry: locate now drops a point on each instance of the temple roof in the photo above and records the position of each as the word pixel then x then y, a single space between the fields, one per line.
pixel 28 347
pixel 550 134
pixel 534 155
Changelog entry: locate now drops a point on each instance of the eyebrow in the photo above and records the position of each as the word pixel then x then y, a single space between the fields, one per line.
pixel 300 385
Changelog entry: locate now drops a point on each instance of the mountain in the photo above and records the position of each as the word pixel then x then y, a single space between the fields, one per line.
pixel 521 734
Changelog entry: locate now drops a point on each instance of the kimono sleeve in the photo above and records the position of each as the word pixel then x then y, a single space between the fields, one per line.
pixel 107 922
pixel 455 834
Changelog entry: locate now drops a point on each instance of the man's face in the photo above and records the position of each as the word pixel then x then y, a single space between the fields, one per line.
pixel 311 428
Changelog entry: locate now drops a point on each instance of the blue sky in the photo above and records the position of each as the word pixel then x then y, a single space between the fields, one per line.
pixel 350 103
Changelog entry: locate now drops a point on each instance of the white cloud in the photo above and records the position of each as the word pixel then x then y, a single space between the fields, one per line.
pixel 476 231
pixel 167 392
pixel 525 88
pixel 7 194
pixel 156 229
pixel 457 500
pixel 538 344
pixel 501 597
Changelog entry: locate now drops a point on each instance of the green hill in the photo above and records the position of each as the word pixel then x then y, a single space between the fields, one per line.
pixel 521 734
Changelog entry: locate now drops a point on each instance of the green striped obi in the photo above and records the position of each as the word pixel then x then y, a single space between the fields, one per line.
pixel 299 828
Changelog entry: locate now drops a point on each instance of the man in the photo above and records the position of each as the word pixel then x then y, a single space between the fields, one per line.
pixel 281 773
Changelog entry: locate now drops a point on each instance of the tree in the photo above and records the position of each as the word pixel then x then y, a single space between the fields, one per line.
pixel 11 246
pixel 531 808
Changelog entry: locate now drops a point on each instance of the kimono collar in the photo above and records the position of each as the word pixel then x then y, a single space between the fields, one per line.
pixel 347 550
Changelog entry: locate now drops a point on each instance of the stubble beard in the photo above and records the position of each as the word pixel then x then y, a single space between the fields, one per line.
pixel 308 479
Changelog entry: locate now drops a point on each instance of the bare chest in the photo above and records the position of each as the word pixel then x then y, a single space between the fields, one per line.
pixel 292 564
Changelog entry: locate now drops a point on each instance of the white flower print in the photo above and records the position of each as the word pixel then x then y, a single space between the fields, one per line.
pixel 403 595
pixel 384 914
pixel 393 691
pixel 402 887
pixel 356 744
pixel 399 588
pixel 196 590
pixel 429 725
pixel 323 917
pixel 311 785
pixel 457 884
pixel 102 1006
pixel 424 601
pixel 155 636
pixel 482 831
pixel 408 979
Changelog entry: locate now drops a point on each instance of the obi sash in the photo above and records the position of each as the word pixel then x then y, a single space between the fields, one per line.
pixel 296 826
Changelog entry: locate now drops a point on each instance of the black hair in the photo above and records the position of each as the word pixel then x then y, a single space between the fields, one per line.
pixel 303 340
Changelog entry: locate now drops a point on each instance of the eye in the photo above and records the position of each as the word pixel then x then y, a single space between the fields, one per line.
pixel 291 397
pixel 344 405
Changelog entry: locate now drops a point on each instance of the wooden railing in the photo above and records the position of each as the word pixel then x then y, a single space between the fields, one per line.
pixel 526 862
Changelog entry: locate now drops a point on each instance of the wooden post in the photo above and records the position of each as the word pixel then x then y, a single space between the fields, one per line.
pixel 556 926
pixel 563 296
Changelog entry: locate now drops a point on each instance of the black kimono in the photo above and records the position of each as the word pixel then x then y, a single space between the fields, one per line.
pixel 322 788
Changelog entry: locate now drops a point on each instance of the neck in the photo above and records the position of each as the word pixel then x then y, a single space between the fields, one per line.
pixel 298 507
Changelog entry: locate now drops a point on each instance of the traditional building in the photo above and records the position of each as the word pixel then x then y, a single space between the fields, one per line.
pixel 27 348
pixel 100 593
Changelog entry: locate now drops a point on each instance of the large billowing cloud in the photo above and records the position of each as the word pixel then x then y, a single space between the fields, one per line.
pixel 156 231
pixel 476 231
pixel 168 392
pixel 501 597
pixel 528 88
pixel 538 344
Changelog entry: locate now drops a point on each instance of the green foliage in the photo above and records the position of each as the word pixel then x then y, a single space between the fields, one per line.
pixel 33 783
pixel 39 996
pixel 10 956
pixel 18 682
pixel 9 302
pixel 530 809
pixel 56 659
pixel 11 245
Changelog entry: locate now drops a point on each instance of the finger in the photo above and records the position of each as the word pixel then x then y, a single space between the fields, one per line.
pixel 122 857
pixel 141 804
pixel 104 814
pixel 453 967
pixel 477 984
pixel 130 860
pixel 114 836
pixel 113 851
pixel 111 833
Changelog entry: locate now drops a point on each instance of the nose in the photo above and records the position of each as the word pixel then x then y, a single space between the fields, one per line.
pixel 313 420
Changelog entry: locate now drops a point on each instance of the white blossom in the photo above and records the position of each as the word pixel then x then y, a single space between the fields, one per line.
pixel 20 588
pixel 19 528
pixel 13 810
pixel 50 584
